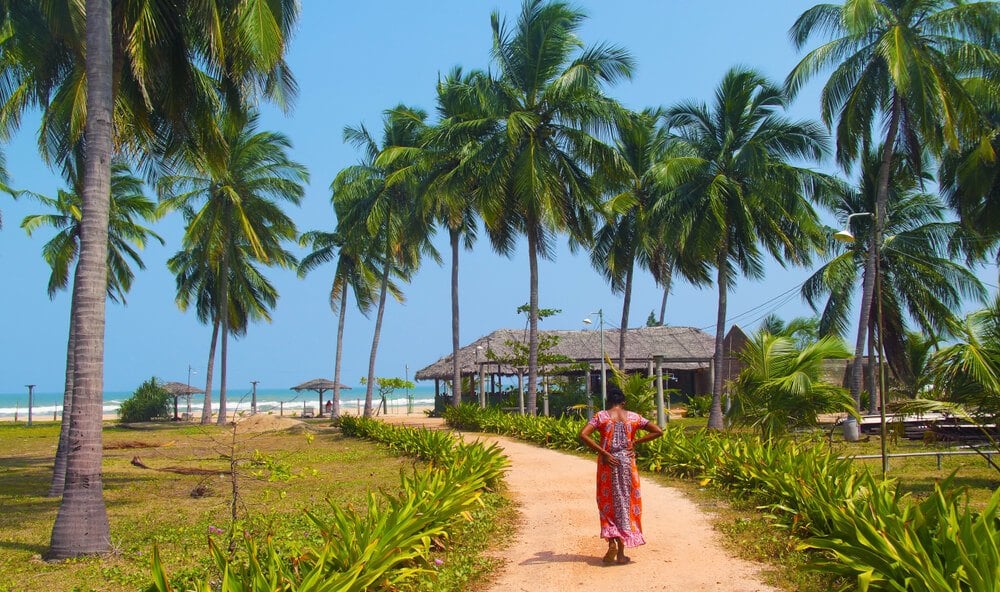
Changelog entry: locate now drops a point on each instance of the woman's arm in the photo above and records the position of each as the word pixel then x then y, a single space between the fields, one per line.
pixel 654 433
pixel 589 443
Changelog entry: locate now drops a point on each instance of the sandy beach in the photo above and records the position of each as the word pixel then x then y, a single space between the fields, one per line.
pixel 394 412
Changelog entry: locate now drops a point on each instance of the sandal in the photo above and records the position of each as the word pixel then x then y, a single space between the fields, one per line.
pixel 610 556
pixel 623 560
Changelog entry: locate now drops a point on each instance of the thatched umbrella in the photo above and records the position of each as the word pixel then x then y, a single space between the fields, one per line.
pixel 179 389
pixel 320 385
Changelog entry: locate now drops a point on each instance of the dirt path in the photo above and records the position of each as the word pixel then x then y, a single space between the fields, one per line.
pixel 557 546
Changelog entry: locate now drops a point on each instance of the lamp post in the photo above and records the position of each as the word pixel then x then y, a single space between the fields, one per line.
pixel 876 245
pixel 190 372
pixel 604 376
pixel 482 386
pixel 31 390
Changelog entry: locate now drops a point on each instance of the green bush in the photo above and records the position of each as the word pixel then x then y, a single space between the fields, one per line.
pixel 149 401
pixel 699 405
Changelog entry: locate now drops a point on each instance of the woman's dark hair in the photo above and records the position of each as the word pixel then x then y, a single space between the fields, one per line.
pixel 615 397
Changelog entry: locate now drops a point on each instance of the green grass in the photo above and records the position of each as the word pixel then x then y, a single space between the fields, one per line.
pixel 147 507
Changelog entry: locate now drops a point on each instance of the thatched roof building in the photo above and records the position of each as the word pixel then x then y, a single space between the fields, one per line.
pixel 682 350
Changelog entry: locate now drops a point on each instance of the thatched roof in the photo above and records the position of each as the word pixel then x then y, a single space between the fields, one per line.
pixel 682 348
pixel 319 385
pixel 179 389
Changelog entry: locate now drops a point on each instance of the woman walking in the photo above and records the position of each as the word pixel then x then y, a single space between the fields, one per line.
pixel 619 501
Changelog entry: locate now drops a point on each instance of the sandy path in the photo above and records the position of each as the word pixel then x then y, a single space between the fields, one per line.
pixel 557 546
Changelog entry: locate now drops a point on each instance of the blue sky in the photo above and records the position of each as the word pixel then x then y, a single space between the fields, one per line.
pixel 352 60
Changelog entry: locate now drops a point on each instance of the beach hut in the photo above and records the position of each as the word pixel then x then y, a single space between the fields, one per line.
pixel 178 390
pixel 320 385
pixel 684 354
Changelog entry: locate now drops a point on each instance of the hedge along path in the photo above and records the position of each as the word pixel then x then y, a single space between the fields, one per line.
pixel 558 545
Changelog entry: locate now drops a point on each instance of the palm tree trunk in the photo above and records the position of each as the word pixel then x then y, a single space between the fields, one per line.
pixel 59 470
pixel 370 384
pixel 715 415
pixel 81 525
pixel 222 373
pixel 868 286
pixel 224 317
pixel 206 409
pixel 625 308
pixel 872 397
pixel 668 276
pixel 340 350
pixel 532 320
pixel 456 369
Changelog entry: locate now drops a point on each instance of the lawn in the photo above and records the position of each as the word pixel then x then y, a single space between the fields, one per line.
pixel 282 473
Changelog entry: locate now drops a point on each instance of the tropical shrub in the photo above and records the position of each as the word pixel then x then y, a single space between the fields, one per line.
pixel 638 390
pixel 699 405
pixel 149 401
pixel 780 387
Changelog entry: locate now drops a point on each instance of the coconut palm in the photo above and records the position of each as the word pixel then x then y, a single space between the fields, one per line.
pixel 781 386
pixel 235 219
pixel 169 61
pixel 632 234
pixel 125 236
pixel 547 98
pixel 81 526
pixel 899 61
pixel 356 270
pixel 802 330
pixel 380 207
pixel 735 194
pixel 455 168
pixel 968 370
pixel 919 278
pixel 970 183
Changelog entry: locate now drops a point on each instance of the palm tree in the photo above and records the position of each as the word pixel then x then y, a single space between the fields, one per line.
pixel 632 233
pixel 448 166
pixel 379 205
pixel 734 190
pixel 355 271
pixel 899 61
pixel 918 276
pixel 125 235
pixel 802 330
pixel 547 98
pixel 170 62
pixel 781 386
pixel 968 371
pixel 970 183
pixel 239 221
pixel 81 526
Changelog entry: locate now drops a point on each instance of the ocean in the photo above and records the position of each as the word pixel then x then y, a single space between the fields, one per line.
pixel 48 406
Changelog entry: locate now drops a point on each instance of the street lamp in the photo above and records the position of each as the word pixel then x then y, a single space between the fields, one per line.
pixel 845 236
pixel 604 377
pixel 31 392
pixel 482 387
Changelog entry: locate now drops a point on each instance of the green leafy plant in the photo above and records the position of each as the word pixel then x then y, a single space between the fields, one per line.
pixel 149 401
pixel 699 405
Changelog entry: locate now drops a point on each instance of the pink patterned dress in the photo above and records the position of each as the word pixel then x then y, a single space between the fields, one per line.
pixel 619 500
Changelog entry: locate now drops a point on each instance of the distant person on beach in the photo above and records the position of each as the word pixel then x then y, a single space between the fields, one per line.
pixel 619 502
pixel 329 407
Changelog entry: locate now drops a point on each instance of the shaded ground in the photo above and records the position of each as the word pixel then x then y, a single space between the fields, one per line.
pixel 557 546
